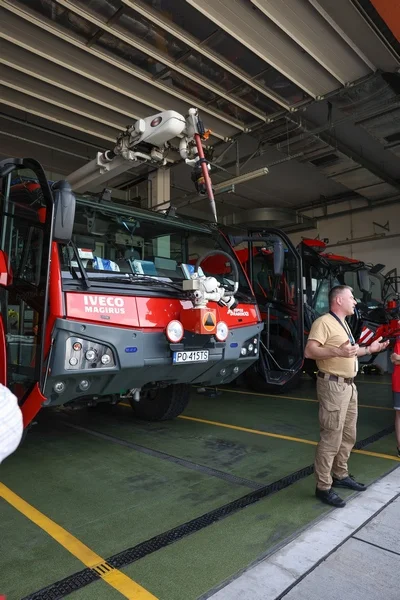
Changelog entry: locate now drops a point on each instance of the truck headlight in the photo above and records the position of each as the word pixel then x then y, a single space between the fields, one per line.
pixel 222 331
pixel 174 331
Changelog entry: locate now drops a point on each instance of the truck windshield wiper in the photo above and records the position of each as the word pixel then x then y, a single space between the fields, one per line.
pixel 82 269
pixel 151 281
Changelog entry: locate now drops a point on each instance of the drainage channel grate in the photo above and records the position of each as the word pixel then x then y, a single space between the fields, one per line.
pixel 177 533
pixel 130 555
pixel 72 583
pixel 373 438
pixel 66 586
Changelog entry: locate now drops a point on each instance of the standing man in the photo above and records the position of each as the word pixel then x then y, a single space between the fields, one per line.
pixel 331 344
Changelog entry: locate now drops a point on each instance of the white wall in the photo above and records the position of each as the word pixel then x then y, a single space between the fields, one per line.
pixel 360 225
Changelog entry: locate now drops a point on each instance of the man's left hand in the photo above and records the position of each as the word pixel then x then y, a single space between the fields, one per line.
pixel 378 346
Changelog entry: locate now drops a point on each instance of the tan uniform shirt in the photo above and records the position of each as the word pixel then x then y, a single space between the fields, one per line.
pixel 328 332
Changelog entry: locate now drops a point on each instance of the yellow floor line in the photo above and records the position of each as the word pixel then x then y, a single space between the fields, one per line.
pixel 115 578
pixel 281 437
pixel 247 430
pixel 265 395
pixel 276 435
pixel 377 455
pixel 293 398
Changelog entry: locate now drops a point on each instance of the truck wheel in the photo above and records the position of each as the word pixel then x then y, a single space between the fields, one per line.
pixel 162 404
pixel 258 383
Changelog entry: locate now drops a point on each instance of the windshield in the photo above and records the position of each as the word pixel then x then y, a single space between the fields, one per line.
pixel 142 248
pixel 371 298
pixel 321 296
pixel 267 286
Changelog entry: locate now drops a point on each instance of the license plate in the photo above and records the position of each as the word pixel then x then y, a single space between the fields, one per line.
pixel 190 356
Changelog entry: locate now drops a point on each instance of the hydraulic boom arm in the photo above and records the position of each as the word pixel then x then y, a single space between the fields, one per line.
pixel 148 141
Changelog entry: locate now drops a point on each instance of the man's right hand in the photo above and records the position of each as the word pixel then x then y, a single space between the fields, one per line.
pixel 395 358
pixel 346 350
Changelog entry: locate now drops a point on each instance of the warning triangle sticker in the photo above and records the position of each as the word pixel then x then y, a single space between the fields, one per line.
pixel 209 321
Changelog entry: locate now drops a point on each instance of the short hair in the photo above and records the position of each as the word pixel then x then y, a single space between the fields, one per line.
pixel 336 291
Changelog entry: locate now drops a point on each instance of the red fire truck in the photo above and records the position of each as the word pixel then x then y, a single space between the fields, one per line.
pixel 290 302
pixel 101 301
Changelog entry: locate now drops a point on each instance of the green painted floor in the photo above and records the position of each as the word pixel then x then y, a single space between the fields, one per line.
pixel 112 497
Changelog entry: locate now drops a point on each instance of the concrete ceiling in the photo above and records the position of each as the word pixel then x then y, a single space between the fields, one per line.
pixel 308 88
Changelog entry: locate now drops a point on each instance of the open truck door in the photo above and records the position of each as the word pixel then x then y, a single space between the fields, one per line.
pixel 275 272
pixel 29 220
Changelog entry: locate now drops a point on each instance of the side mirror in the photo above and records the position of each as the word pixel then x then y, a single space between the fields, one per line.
pixel 64 212
pixel 6 276
pixel 279 256
pixel 364 282
pixel 377 268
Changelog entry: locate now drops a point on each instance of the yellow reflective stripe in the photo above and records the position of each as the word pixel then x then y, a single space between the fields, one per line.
pixel 123 584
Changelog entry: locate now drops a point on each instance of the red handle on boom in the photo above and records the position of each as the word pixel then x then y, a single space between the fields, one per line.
pixel 206 175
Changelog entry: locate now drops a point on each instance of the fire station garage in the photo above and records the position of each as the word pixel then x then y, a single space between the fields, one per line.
pixel 200 299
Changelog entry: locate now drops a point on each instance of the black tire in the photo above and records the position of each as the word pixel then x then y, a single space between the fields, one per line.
pixel 258 384
pixel 162 404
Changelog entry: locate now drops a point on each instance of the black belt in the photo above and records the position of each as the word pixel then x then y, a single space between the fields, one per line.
pixel 329 377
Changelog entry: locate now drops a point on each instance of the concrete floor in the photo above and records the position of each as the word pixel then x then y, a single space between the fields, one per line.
pixel 108 495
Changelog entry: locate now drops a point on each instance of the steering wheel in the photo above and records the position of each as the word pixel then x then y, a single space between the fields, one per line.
pixel 231 260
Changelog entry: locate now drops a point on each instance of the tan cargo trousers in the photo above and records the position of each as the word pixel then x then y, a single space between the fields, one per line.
pixel 338 421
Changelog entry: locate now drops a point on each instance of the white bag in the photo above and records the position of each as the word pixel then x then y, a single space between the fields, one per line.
pixel 11 426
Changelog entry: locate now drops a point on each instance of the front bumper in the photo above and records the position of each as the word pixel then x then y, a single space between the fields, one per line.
pixel 136 358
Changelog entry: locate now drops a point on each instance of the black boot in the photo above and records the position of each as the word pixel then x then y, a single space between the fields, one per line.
pixel 330 497
pixel 349 482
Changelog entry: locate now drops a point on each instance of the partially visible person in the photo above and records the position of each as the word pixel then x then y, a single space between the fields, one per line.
pixel 395 358
pixel 11 426
pixel 331 344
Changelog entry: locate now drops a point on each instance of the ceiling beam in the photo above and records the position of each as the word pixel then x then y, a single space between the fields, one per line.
pixel 306 27
pixel 49 94
pixel 272 45
pixel 155 54
pixel 351 26
pixel 50 112
pixel 28 63
pixel 161 21
pixel 20 26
